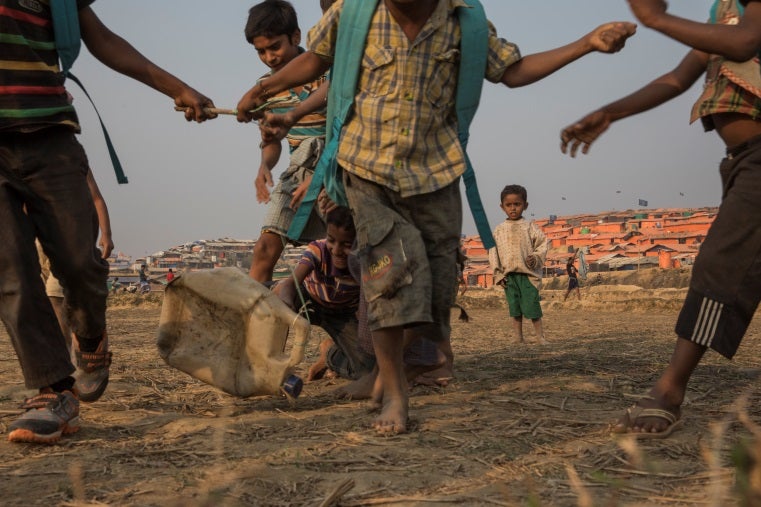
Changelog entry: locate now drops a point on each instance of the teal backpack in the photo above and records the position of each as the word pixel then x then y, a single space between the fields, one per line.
pixel 715 9
pixel 68 42
pixel 352 34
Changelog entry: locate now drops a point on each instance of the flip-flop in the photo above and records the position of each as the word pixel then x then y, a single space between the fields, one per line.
pixel 636 412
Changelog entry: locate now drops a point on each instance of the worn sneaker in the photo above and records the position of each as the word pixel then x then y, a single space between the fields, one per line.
pixel 48 416
pixel 91 377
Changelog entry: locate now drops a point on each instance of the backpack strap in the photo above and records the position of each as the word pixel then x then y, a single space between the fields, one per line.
pixel 715 10
pixel 353 26
pixel 474 49
pixel 68 42
pixel 66 31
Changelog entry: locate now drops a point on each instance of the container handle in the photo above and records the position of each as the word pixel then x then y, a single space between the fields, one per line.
pixel 302 330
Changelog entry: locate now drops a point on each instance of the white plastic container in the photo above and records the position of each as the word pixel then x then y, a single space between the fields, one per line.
pixel 229 331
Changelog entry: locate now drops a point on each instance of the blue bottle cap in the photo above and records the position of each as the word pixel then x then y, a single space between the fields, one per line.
pixel 293 386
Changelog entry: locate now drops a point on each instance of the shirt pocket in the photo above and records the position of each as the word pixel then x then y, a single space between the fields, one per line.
pixel 443 81
pixel 378 71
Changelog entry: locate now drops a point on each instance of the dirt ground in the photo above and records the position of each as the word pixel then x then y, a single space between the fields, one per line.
pixel 523 425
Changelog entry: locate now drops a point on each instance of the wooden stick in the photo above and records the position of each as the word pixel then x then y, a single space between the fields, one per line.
pixel 270 104
pixel 210 110
pixel 335 497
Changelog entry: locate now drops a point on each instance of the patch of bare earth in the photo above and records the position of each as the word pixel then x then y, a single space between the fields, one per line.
pixel 520 425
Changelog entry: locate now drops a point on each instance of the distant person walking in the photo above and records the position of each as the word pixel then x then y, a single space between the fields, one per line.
pixel 573 278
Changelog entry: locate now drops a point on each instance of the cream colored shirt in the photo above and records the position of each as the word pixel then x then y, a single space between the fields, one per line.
pixel 515 241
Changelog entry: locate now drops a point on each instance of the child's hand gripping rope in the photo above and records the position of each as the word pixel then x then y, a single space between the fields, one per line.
pixel 277 102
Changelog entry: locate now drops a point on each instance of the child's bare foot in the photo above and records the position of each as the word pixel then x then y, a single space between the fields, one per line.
pixel 542 340
pixel 318 369
pixel 360 389
pixel 436 374
pixel 393 417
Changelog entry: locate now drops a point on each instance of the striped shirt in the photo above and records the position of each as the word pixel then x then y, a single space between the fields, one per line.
pixel 310 125
pixel 332 287
pixel 32 94
pixel 403 134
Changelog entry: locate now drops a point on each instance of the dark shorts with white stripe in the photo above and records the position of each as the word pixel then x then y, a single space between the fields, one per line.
pixel 725 288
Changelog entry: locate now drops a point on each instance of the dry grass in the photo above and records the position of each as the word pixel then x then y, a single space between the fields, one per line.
pixel 523 425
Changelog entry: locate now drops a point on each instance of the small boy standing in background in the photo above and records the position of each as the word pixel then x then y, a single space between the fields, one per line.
pixel 517 260
pixel 273 29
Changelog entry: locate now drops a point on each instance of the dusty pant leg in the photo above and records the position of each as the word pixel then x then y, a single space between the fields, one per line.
pixel 24 307
pixel 726 280
pixel 441 234
pixel 67 227
pixel 396 280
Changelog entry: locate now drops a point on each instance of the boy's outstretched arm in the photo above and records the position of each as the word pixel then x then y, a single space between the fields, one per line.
pixel 737 42
pixel 287 289
pixel 306 67
pixel 106 242
pixel 271 151
pixel 585 131
pixel 121 56
pixel 607 38
pixel 282 123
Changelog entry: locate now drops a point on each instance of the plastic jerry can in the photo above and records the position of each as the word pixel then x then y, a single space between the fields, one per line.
pixel 229 331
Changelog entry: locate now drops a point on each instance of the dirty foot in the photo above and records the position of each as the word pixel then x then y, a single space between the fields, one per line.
pixel 360 389
pixel 318 369
pixel 432 375
pixel 393 417
pixel 439 377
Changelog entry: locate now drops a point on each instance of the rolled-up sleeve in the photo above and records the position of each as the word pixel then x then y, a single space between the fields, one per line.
pixel 321 39
pixel 502 54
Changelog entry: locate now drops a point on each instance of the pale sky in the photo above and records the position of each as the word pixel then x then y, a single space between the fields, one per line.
pixel 190 182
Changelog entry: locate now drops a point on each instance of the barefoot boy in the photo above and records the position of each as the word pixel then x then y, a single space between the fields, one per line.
pixel 517 260
pixel 726 279
pixel 401 160
pixel 272 28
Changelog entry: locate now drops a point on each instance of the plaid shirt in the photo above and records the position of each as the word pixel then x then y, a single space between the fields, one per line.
pixel 403 134
pixel 730 87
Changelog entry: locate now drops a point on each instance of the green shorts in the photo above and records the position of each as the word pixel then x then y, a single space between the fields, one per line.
pixel 522 297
